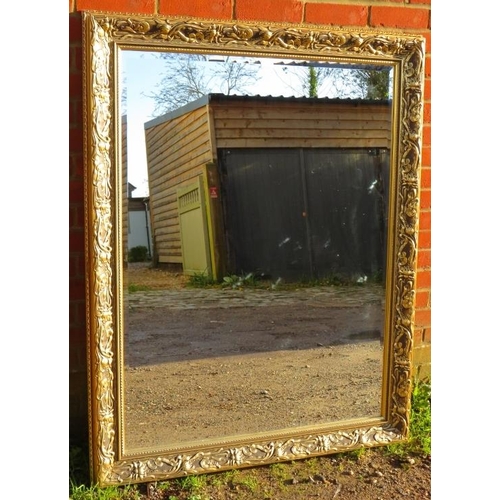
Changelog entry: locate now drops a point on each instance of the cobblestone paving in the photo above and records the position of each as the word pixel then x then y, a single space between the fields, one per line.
pixel 206 298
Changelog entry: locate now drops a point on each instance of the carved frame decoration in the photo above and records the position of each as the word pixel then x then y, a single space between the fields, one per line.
pixel 103 35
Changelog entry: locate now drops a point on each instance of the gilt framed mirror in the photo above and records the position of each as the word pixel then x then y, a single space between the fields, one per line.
pixel 281 215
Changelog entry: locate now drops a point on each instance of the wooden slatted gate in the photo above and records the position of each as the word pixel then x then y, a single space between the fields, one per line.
pixel 193 228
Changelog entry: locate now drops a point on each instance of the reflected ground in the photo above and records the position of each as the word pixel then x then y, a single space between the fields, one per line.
pixel 202 364
pixel 206 363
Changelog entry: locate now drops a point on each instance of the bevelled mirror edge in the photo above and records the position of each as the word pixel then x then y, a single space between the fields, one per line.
pixel 102 33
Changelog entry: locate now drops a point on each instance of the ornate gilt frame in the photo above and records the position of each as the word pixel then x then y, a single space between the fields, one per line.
pixel 104 35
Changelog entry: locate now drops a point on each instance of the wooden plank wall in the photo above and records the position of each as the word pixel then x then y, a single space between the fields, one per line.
pixel 301 125
pixel 177 151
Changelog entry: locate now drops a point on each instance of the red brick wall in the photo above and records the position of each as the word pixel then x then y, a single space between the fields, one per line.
pixel 413 16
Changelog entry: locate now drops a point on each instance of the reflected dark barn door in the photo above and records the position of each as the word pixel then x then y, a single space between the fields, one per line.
pixel 263 202
pixel 347 200
pixel 305 213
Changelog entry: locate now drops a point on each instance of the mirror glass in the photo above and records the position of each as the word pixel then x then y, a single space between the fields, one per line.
pixel 255 201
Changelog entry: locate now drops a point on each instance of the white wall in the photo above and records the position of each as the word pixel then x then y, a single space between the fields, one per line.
pixel 137 229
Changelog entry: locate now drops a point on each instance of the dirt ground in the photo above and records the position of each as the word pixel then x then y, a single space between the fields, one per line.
pixel 373 476
pixel 202 363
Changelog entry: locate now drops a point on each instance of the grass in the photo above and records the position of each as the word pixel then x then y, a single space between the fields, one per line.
pixel 279 471
pixel 247 280
pixel 420 434
pixel 193 486
pixel 419 443
pixel 110 493
pixel 339 280
pixel 201 280
pixel 249 482
pixel 235 281
pixel 252 280
pixel 79 489
pixel 137 288
pixel 222 479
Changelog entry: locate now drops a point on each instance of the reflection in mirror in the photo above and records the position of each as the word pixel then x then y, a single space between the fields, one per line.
pixel 288 226
pixel 255 212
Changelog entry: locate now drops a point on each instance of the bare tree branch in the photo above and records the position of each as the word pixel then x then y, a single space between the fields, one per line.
pixel 190 76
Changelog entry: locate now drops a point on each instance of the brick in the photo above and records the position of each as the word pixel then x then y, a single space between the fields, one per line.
pixel 75 28
pixel 76 165
pixel 426 135
pixel 126 6
pixel 426 2
pixel 422 299
pixel 427 334
pixel 76 138
pixel 72 60
pixel 423 279
pixel 221 9
pixel 422 354
pixel 336 14
pixel 426 156
pixel 81 266
pixel 75 85
pixel 423 259
pixel 72 216
pixel 76 218
pixel 76 289
pixel 73 264
pixel 289 11
pixel 76 319
pixel 425 199
pixel 399 17
pixel 75 109
pixel 427 112
pixel 427 37
pixel 81 313
pixel 75 59
pixel 76 241
pixel 76 191
pixel 425 178
pixel 424 220
pixel 79 217
pixel 77 380
pixel 75 354
pixel 428 65
pixel 417 336
pixel 78 57
pixel 422 317
pixel 77 214
pixel 424 239
pixel 78 265
pixel 427 89
pixel 72 114
pixel 422 371
pixel 77 315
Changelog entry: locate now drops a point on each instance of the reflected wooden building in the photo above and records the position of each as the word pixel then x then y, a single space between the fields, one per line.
pixel 285 187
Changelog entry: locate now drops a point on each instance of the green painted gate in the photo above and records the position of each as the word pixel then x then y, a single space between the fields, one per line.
pixel 193 228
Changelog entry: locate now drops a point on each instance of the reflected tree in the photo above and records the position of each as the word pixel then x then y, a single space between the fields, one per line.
pixel 373 83
pixel 187 77
pixel 335 82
